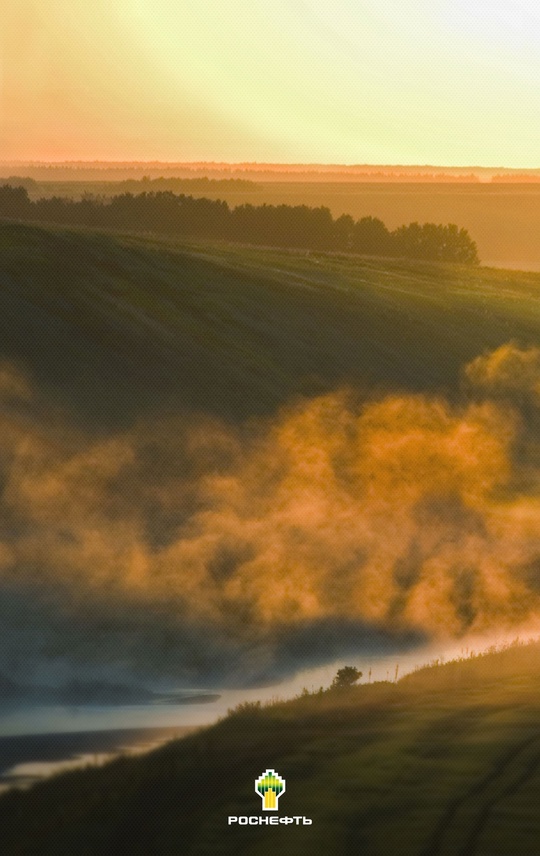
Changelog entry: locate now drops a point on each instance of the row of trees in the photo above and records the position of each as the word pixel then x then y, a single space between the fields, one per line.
pixel 272 225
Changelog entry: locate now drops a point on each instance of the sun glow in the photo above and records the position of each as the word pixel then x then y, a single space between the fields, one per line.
pixel 408 82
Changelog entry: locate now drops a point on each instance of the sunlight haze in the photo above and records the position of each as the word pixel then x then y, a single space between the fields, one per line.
pixel 296 80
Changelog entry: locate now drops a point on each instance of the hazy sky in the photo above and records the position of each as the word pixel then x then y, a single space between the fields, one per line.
pixel 348 81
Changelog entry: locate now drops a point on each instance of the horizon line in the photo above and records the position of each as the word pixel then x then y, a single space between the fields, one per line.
pixel 265 164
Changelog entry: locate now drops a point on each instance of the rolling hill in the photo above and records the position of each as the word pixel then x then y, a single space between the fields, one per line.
pixel 116 325
pixel 113 327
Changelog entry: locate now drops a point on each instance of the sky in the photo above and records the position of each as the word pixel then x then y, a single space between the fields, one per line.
pixel 351 81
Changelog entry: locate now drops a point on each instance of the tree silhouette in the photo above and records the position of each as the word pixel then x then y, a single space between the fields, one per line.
pixel 346 677
pixel 297 226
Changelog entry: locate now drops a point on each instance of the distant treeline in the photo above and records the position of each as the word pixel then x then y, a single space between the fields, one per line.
pixel 76 188
pixel 296 226
pixel 516 178
pixel 135 185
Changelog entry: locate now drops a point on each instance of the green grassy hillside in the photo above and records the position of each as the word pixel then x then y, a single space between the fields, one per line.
pixel 444 763
pixel 114 325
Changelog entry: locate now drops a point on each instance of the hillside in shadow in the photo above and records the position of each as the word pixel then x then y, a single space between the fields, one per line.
pixel 445 761
pixel 117 326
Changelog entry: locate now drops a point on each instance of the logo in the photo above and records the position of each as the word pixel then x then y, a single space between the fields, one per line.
pixel 270 786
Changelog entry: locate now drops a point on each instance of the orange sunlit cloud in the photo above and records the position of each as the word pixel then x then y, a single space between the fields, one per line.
pixel 405 515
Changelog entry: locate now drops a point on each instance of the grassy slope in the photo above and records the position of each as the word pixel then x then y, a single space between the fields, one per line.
pixel 445 763
pixel 115 325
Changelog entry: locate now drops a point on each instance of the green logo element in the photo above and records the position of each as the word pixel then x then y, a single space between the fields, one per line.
pixel 270 786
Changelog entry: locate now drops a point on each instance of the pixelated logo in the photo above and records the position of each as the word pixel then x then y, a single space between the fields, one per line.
pixel 270 786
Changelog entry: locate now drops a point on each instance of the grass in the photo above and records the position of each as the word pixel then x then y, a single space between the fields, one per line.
pixel 405 767
pixel 114 325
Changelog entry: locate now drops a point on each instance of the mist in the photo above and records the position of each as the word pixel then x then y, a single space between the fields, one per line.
pixel 188 550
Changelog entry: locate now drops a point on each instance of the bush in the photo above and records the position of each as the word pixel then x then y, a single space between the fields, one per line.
pixel 346 677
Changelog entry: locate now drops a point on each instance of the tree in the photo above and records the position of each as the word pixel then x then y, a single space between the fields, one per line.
pixel 371 236
pixel 14 201
pixel 346 677
pixel 435 243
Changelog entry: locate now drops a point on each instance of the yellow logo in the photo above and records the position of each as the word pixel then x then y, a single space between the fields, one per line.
pixel 270 786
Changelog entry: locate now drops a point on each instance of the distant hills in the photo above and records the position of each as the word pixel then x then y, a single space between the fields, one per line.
pixel 72 692
pixel 121 170
pixel 88 692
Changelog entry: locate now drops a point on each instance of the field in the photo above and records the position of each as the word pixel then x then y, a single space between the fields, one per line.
pixel 445 762
pixel 115 326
